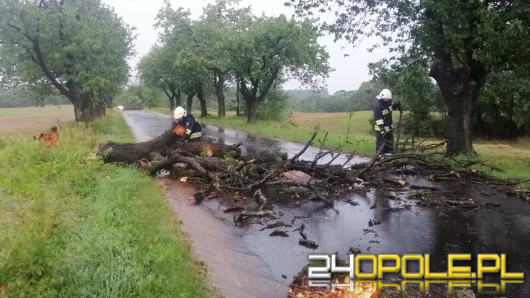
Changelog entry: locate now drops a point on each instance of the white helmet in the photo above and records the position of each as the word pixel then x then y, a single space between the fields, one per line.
pixel 385 94
pixel 179 113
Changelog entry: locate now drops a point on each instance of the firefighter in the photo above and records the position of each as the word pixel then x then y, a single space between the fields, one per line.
pixel 382 108
pixel 186 126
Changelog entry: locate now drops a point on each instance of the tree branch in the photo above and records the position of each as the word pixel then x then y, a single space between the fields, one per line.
pixel 38 58
pixel 268 86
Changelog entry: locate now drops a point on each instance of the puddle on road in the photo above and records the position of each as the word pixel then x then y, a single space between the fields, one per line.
pixel 402 226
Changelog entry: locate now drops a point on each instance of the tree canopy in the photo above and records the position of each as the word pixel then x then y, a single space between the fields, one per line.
pixel 273 49
pixel 157 70
pixel 228 44
pixel 78 47
pixel 218 26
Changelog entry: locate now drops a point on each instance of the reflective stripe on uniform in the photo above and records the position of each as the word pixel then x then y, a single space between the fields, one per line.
pixel 377 128
pixel 379 122
pixel 196 135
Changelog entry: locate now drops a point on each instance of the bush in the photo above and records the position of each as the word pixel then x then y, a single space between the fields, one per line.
pixel 504 106
pixel 430 125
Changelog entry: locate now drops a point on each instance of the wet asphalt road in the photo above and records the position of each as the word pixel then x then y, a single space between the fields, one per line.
pixel 404 227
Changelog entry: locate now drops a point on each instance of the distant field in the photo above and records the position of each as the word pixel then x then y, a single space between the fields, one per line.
pixel 33 120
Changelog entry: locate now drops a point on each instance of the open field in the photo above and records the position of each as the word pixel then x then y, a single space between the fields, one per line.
pixel 513 157
pixel 73 226
pixel 33 120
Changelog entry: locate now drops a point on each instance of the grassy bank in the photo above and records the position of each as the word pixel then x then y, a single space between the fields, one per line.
pixel 73 226
pixel 513 157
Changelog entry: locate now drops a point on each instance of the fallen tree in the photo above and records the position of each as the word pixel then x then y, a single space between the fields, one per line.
pixel 260 180
pixel 220 169
pixel 162 146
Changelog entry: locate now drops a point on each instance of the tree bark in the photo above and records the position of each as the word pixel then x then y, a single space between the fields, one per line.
pixel 170 96
pixel 254 93
pixel 238 113
pixel 252 108
pixel 171 104
pixel 459 138
pixel 189 101
pixel 202 101
pixel 460 88
pixel 85 109
pixel 251 99
pixel 178 98
pixel 162 145
pixel 219 84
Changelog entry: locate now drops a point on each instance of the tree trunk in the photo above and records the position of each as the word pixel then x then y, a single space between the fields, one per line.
pixel 84 108
pixel 460 88
pixel 189 101
pixel 219 88
pixel 171 103
pixel 86 112
pixel 202 101
pixel 238 113
pixel 252 108
pixel 178 98
pixel 460 133
pixel 162 145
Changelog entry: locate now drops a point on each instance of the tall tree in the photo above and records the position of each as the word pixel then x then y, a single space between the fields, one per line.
pixel 461 41
pixel 218 22
pixel 180 39
pixel 79 47
pixel 157 70
pixel 272 49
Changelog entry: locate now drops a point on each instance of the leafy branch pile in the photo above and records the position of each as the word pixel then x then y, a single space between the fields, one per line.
pixel 219 171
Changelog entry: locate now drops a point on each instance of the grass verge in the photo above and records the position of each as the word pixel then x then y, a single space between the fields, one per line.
pixel 513 157
pixel 73 226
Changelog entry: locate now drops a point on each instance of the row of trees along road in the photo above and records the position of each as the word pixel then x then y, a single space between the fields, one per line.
pixel 77 48
pixel 461 42
pixel 228 46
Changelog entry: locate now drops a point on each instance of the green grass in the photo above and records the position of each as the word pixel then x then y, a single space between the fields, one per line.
pixel 513 157
pixel 73 226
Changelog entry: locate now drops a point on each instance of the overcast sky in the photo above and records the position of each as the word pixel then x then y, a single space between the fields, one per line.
pixel 350 64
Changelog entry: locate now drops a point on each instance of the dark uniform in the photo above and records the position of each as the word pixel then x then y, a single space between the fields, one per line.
pixel 193 128
pixel 383 126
